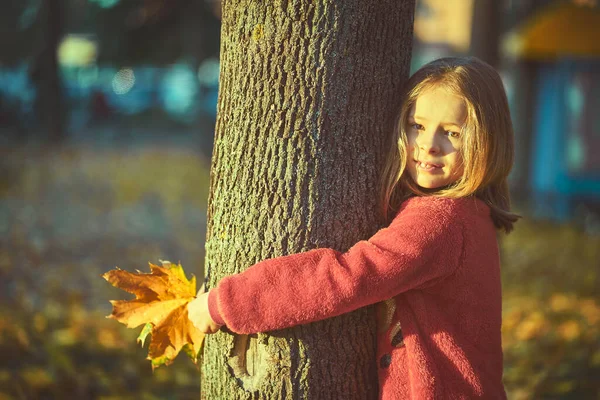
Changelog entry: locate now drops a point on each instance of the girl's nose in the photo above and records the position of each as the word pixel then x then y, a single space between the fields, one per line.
pixel 427 143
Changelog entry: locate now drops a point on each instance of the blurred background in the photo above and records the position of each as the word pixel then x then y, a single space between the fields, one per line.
pixel 107 112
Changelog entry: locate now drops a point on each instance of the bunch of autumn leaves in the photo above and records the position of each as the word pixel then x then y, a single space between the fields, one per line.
pixel 160 304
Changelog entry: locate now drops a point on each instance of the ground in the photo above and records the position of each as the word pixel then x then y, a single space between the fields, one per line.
pixel 70 213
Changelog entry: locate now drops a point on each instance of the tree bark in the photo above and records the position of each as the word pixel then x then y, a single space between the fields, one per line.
pixel 308 94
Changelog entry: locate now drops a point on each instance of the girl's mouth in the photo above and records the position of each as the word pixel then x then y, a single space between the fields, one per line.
pixel 427 166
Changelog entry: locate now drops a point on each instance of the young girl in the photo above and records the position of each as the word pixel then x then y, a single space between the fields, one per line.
pixel 445 184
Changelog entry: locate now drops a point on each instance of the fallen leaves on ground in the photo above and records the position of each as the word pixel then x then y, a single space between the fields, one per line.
pixel 160 303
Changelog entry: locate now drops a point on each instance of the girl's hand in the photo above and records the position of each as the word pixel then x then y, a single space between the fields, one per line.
pixel 199 315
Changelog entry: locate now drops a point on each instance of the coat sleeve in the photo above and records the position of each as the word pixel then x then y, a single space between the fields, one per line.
pixel 421 246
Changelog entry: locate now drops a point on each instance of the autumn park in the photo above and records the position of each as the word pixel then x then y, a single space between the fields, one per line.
pixel 150 148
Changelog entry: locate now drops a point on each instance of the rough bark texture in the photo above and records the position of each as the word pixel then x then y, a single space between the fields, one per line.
pixel 308 93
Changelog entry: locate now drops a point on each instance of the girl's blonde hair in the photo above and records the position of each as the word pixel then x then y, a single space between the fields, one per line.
pixel 488 142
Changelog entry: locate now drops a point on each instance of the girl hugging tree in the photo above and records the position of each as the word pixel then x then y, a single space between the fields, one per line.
pixel 434 270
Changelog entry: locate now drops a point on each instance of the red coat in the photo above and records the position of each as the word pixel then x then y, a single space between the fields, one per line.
pixel 438 259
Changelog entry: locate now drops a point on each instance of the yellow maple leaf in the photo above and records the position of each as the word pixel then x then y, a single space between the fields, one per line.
pixel 161 304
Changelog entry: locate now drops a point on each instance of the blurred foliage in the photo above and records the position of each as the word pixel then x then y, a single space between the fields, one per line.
pixel 551 303
pixel 546 258
pixel 68 216
pixel 64 352
pixel 128 32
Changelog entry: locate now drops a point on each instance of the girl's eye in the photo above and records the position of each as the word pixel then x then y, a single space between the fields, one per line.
pixel 416 126
pixel 452 134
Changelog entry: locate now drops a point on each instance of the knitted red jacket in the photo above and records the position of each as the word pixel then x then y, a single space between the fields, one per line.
pixel 438 260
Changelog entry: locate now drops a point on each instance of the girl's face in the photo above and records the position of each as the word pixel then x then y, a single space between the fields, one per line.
pixel 434 138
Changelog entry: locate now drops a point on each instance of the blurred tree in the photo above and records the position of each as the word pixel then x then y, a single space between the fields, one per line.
pixel 308 95
pixel 50 107
pixel 155 32
pixel 20 30
pixel 486 31
pixel 524 81
pixel 128 33
pixel 29 34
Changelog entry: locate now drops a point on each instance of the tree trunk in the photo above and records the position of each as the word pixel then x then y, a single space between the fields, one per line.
pixel 523 111
pixel 308 94
pixel 486 31
pixel 50 107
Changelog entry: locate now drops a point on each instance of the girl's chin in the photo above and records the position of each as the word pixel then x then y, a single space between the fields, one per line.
pixel 432 186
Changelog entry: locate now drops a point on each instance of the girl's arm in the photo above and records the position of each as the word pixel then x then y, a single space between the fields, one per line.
pixel 421 246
